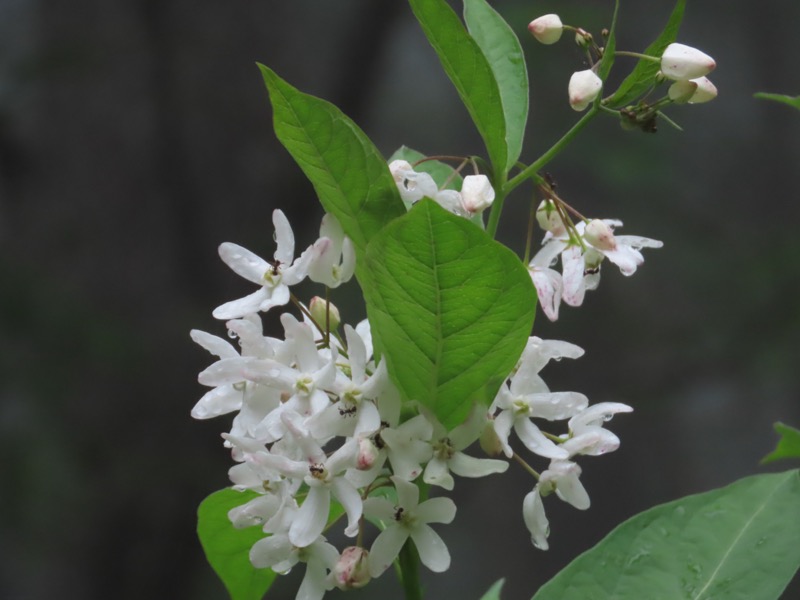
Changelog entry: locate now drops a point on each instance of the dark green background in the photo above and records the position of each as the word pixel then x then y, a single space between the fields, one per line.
pixel 135 136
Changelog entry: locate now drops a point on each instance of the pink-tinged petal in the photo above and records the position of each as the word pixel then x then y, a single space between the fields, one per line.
pixel 241 307
pixel 530 435
pixel 436 473
pixel 244 263
pixel 284 238
pixel 535 519
pixel 219 401
pixel 469 466
pixel 549 289
pixel 312 517
pixel 351 501
pixel 386 548
pixel 407 493
pixel 432 550
pixel 573 267
pixel 436 510
pixel 215 345
pixel 270 551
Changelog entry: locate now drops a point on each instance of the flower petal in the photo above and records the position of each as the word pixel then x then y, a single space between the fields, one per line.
pixel 385 549
pixel 432 550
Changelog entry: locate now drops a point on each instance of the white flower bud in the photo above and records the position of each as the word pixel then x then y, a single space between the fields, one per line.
pixel 547 29
pixel 548 218
pixel 693 91
pixel 584 86
pixel 682 62
pixel 352 569
pixel 600 235
pixel 318 308
pixel 367 454
pixel 477 193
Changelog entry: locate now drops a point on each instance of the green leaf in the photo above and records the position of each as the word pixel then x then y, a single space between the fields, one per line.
pixel 453 308
pixel 611 46
pixel 502 49
pixel 782 98
pixel 468 69
pixel 494 591
pixel 788 446
pixel 441 172
pixel 350 176
pixel 739 542
pixel 643 75
pixel 227 548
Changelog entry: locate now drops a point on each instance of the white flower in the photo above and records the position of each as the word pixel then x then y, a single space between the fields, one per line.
pixel 333 259
pixel 274 277
pixel 409 518
pixel 413 186
pixel 477 194
pixel 448 456
pixel 681 62
pixel 587 435
pixel 584 87
pixel 280 554
pixel 547 29
pixel 562 476
pixel 693 91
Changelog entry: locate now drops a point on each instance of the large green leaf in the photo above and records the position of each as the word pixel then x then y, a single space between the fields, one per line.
pixel 453 309
pixel 793 101
pixel 501 48
pixel 468 69
pixel 739 542
pixel 349 175
pixel 494 591
pixel 227 548
pixel 643 75
pixel 788 446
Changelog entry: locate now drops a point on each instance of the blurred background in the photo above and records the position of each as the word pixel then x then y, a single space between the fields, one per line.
pixel 136 136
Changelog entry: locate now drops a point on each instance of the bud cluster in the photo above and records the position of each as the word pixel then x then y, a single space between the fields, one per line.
pixel 319 429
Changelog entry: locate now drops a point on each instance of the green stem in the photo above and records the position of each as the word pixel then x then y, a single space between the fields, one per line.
pixel 409 568
pixel 637 55
pixel 545 158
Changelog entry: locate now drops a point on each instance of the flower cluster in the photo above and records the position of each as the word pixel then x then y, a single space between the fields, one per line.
pixel 320 432
pixel 687 67
pixel 582 249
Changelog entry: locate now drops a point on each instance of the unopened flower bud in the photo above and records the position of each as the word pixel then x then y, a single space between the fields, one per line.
pixel 477 193
pixel 548 218
pixel 367 454
pixel 584 86
pixel 319 308
pixel 600 235
pixel 682 62
pixel 352 570
pixel 489 441
pixel 547 29
pixel 693 91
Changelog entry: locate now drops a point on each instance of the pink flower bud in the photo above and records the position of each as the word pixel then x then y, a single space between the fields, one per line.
pixel 477 193
pixel 600 235
pixel 693 91
pixel 584 86
pixel 319 309
pixel 682 62
pixel 367 454
pixel 547 29
pixel 352 571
